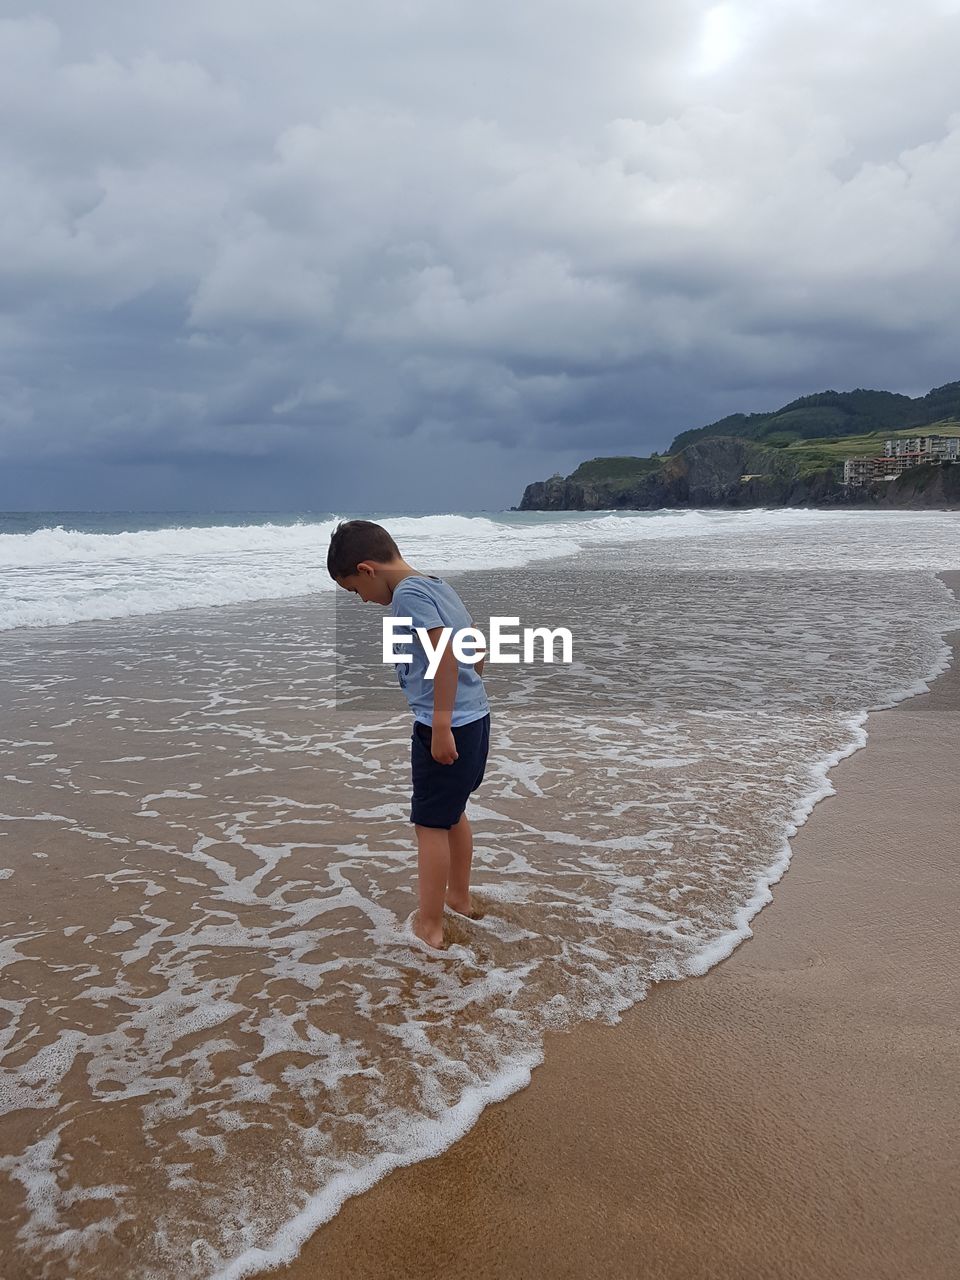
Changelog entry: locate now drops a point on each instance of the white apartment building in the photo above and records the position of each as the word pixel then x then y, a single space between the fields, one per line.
pixel 859 470
pixel 924 446
pixel 898 456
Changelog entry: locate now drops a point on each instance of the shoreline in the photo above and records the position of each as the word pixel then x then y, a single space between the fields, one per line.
pixel 517 1194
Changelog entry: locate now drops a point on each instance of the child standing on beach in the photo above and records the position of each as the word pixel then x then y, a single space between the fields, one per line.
pixel 451 727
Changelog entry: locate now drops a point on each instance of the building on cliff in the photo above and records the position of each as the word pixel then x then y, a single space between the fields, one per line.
pixel 927 447
pixel 898 456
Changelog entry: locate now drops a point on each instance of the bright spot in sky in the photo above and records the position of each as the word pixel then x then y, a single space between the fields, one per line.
pixel 720 38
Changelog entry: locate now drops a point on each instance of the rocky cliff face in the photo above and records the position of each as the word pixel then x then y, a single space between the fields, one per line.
pixel 727 471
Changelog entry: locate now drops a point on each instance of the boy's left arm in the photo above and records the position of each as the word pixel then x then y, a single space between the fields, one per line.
pixel 443 748
pixel 478 665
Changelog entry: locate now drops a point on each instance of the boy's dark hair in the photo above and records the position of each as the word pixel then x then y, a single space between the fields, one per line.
pixel 353 541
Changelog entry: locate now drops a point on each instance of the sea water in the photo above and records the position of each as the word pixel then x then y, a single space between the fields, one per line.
pixel 216 1025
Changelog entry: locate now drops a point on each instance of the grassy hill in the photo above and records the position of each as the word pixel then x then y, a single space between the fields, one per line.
pixel 810 455
pixel 835 414
pixel 814 455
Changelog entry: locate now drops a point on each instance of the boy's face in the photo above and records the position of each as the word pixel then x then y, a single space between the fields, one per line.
pixel 367 584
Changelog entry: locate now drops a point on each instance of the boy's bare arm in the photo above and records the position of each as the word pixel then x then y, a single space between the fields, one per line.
pixel 478 665
pixel 443 748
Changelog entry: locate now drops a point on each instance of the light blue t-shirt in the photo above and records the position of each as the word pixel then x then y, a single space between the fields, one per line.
pixel 431 602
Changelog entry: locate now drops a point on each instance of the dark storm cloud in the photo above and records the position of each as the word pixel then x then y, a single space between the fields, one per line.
pixel 296 254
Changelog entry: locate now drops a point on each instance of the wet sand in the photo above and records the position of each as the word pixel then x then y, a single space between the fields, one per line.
pixel 791 1114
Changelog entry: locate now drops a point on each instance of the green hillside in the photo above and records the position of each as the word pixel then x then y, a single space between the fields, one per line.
pixel 835 414
pixel 810 456
pixel 814 455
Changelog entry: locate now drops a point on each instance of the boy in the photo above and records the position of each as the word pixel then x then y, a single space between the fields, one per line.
pixel 451 728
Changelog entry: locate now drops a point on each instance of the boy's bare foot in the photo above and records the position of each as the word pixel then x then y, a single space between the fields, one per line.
pixel 467 907
pixel 433 938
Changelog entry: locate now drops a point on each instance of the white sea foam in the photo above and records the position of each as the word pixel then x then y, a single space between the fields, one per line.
pixel 56 576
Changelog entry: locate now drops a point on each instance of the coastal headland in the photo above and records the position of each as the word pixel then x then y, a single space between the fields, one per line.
pixel 794 456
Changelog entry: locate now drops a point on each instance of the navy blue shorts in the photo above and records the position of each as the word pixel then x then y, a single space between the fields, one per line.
pixel 440 791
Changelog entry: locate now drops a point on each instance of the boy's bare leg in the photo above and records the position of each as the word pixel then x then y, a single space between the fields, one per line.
pixel 461 857
pixel 433 866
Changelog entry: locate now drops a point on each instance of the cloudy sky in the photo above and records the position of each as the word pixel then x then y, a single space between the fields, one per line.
pixel 411 254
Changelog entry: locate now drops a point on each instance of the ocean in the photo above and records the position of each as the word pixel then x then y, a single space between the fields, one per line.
pixel 215 1027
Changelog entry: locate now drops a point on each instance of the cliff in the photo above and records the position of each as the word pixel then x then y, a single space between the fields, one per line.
pixel 729 471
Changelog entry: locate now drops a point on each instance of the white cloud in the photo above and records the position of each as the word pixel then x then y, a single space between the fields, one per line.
pixel 545 220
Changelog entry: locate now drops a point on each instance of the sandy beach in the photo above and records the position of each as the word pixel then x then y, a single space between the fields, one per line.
pixel 790 1114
